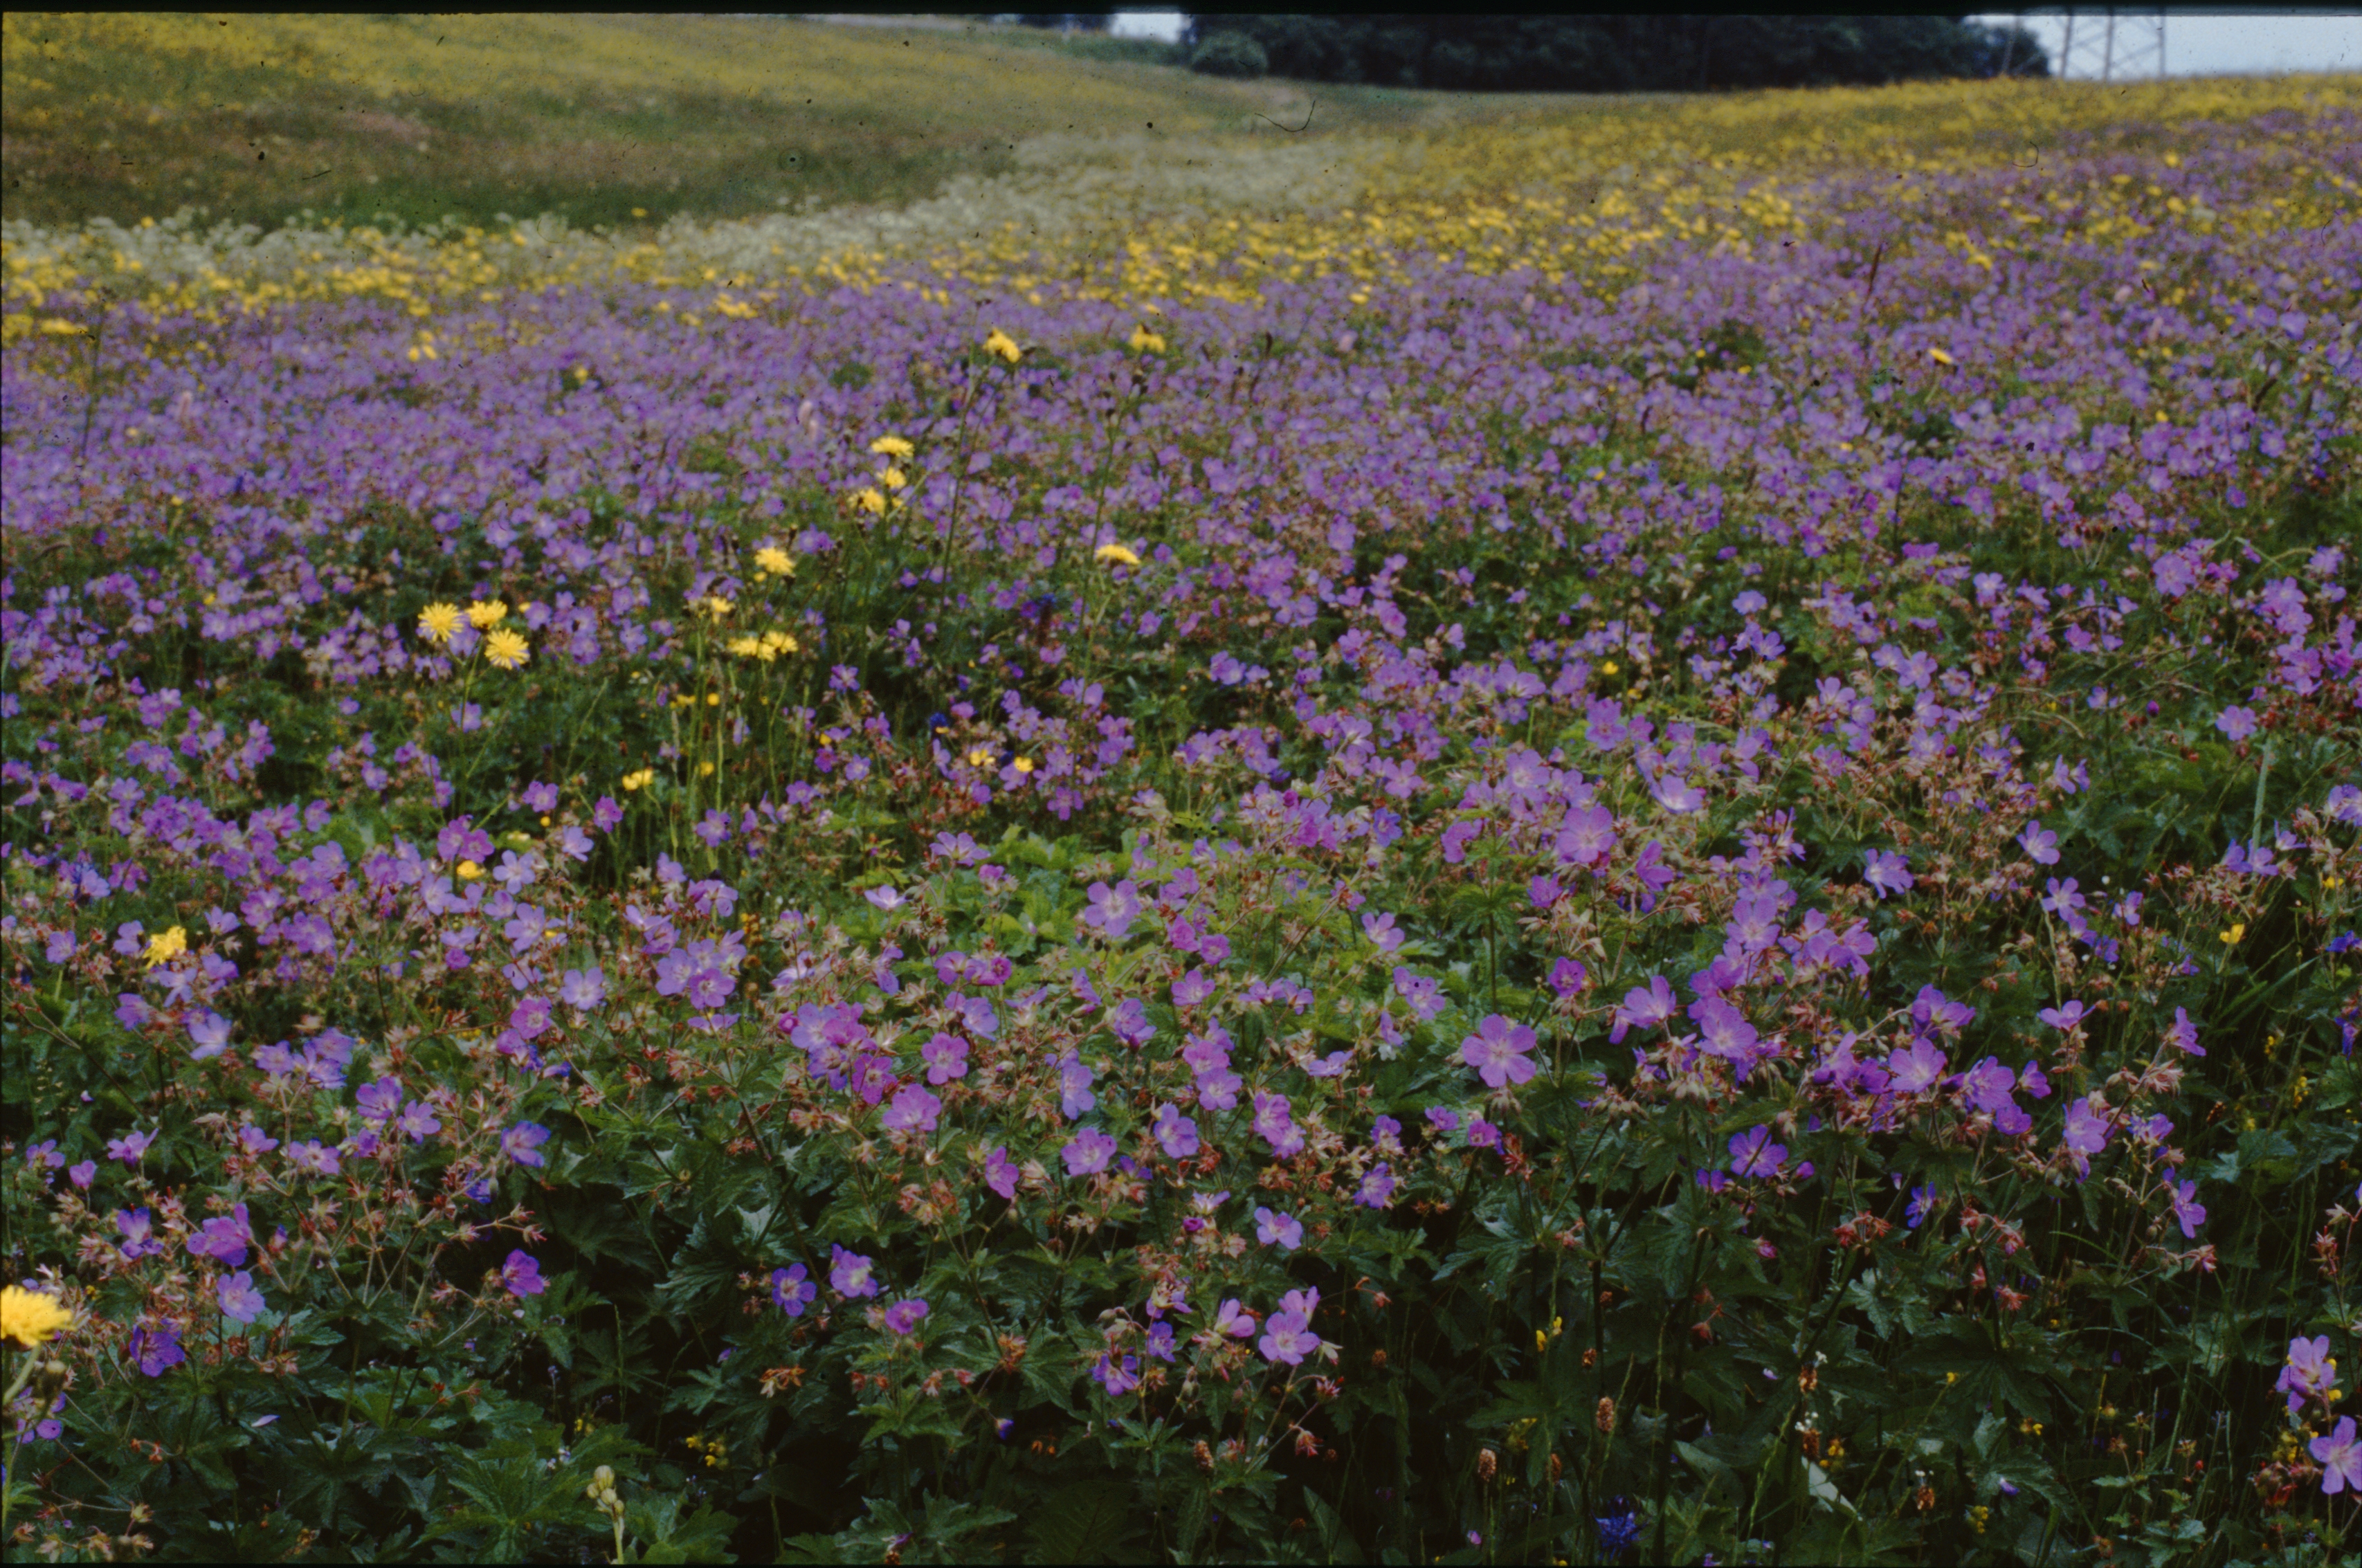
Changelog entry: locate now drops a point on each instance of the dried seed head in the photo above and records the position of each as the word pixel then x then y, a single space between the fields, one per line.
pixel 1603 1418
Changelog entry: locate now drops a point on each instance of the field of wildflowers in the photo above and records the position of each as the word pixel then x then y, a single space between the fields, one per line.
pixel 1622 836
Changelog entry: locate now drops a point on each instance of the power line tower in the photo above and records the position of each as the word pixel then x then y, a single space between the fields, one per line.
pixel 2112 45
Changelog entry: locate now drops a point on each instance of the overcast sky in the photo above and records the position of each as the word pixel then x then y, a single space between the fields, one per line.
pixel 2194 45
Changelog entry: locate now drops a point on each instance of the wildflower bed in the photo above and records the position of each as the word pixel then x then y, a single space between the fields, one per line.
pixel 1624 864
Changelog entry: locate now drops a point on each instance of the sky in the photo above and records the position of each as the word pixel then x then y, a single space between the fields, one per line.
pixel 2195 45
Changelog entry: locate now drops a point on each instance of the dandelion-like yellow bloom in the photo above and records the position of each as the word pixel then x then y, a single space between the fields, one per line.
pixel 2231 937
pixel 715 606
pixel 1115 554
pixel 639 780
pixel 980 757
pixel 167 944
pixel 891 447
pixel 29 1317
pixel 1023 765
pixel 505 650
pixel 778 643
pixel 1146 342
pixel 776 561
pixel 751 647
pixel 469 870
pixel 438 621
pixel 869 501
pixel 486 613
pixel 893 479
pixel 1000 343
pixel 1940 357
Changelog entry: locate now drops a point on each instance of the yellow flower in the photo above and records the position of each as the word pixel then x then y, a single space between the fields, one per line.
pixel 469 870
pixel 2231 937
pixel 1115 554
pixel 1000 343
pixel 1940 357
pixel 1608 668
pixel 167 944
pixel 57 326
pixel 891 447
pixel 486 613
pixel 750 647
pixel 893 479
pixel 639 780
pixel 438 621
pixel 504 650
pixel 1144 341
pixel 868 500
pixel 29 1317
pixel 775 560
pixel 777 643
pixel 1023 765
pixel 705 770
pixel 715 605
pixel 980 757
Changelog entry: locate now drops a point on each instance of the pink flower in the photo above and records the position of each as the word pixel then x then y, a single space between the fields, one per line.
pixel 1087 1153
pixel 1000 1172
pixel 946 1058
pixel 1234 1319
pixel 913 1110
pixel 904 1317
pixel 522 1274
pixel 1288 1338
pixel 2310 1372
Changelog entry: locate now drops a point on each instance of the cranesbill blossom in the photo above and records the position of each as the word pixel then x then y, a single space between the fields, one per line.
pixel 1376 1188
pixel 1498 1050
pixel 1075 1096
pixel 224 1238
pixel 904 1315
pixel 1000 1172
pixel 522 1143
pixel 1753 1154
pixel 2311 1372
pixel 913 1110
pixel 2341 1458
pixel 210 1032
pixel 1176 1134
pixel 1234 1320
pixel 1289 1339
pixel 522 1274
pixel 2040 844
pixel 240 1301
pixel 2236 722
pixel 1087 1153
pixel 2186 1208
pixel 1274 1123
pixel 1888 872
pixel 946 1056
pixel 1275 1230
pixel 1643 1007
pixel 2087 1134
pixel 791 1291
pixel 849 1273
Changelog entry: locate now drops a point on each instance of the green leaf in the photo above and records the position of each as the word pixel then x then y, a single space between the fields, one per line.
pixel 1087 1522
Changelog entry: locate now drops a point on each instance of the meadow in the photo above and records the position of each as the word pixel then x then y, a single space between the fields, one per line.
pixel 1608 832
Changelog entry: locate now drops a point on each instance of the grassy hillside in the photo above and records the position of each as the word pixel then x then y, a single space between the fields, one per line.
pixel 600 119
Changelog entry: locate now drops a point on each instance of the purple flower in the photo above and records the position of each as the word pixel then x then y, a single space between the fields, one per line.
pixel 540 797
pixel 946 1056
pixel 240 1301
pixel 522 1143
pixel 253 1141
pixel 1382 932
pixel 138 1235
pixel 224 1238
pixel 2040 842
pixel 1000 1172
pixel 1377 1187
pixel 582 989
pixel 210 1031
pixel 1889 872
pixel 913 1110
pixel 1113 910
pixel 848 1273
pixel 904 1315
pixel 1922 1204
pixel 419 1120
pixel 2341 1458
pixel 1075 1096
pixel 791 1291
pixel 2186 1208
pixel 1498 1052
pixel 1643 1009
pixel 2310 1372
pixel 1288 1338
pixel 83 1171
pixel 1753 1154
pixel 523 1275
pixel 1932 1010
pixel 607 815
pixel 313 1157
pixel 2086 1134
pixel 1723 1030
pixel 1234 1320
pixel 1282 1231
pixel 381 1100
pixel 1917 1068
pixel 1176 1134
pixel 2182 1034
pixel 1087 1153
pixel 2236 722
pixel 1118 1378
pixel 130 1148
pixel 2063 1018
pixel 1274 1123
pixel 157 1350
